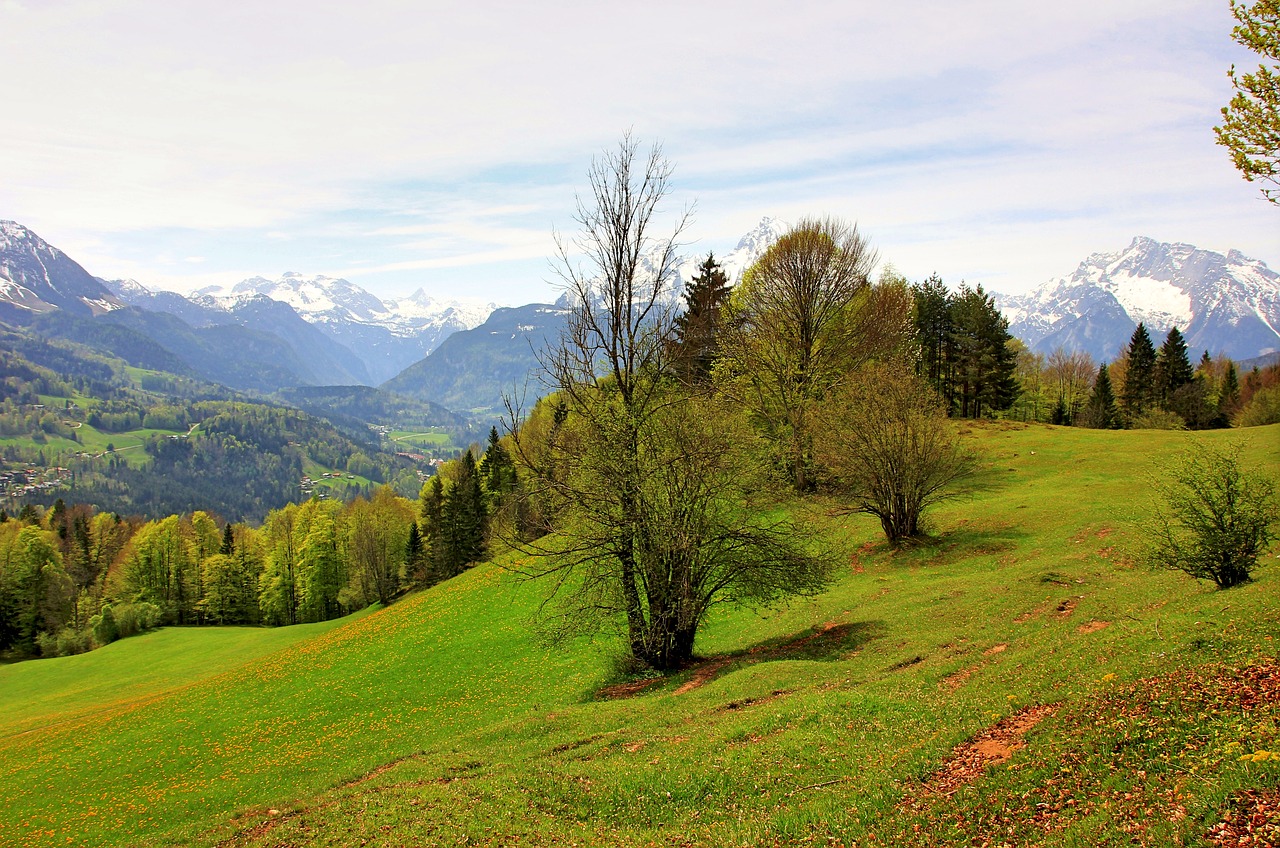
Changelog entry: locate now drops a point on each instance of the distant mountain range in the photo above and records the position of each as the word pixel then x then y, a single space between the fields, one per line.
pixel 1222 303
pixel 478 369
pixel 269 335
pixel 387 335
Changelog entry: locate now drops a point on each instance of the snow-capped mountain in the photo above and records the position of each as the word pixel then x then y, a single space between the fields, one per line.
pixel 387 335
pixel 1221 303
pixel 320 300
pixel 36 277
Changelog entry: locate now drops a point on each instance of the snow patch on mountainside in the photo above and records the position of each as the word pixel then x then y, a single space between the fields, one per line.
pixel 1158 303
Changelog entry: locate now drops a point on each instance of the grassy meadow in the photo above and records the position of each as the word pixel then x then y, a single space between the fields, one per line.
pixel 1123 705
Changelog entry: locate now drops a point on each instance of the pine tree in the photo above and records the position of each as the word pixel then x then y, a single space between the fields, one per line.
pixel 1228 395
pixel 462 519
pixel 697 327
pixel 228 541
pixel 1173 368
pixel 1137 395
pixel 497 472
pixel 433 529
pixel 1101 413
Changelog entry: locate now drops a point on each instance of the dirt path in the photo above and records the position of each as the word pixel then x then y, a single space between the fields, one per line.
pixel 994 745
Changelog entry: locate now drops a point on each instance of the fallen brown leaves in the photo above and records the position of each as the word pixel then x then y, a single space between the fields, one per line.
pixel 1253 820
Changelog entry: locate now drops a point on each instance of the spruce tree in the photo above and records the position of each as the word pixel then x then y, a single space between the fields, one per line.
pixel 497 472
pixel 1173 368
pixel 1060 416
pixel 228 541
pixel 463 519
pixel 933 328
pixel 1139 383
pixel 984 364
pixel 697 327
pixel 1228 395
pixel 1102 413
pixel 415 558
pixel 433 529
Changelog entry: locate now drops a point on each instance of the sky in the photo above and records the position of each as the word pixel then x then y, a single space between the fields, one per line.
pixel 403 144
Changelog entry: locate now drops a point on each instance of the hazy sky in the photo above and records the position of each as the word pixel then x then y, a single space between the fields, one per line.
pixel 404 144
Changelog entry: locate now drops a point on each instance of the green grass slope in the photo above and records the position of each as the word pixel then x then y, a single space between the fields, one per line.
pixel 1020 681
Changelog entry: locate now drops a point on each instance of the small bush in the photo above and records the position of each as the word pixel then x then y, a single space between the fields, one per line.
pixel 1158 419
pixel 104 626
pixel 1262 408
pixel 1215 520
pixel 132 619
pixel 65 643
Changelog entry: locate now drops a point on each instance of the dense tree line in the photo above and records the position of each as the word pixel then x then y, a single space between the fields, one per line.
pixel 1144 387
pixel 966 352
pixel 73 578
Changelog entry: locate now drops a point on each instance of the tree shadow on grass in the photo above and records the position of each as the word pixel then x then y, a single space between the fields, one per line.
pixel 823 643
pixel 960 542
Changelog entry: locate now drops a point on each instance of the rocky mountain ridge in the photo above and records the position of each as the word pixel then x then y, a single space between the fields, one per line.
pixel 1226 303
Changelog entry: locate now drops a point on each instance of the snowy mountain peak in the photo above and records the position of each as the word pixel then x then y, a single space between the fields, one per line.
pixel 757 241
pixel 1227 303
pixel 126 289
pixel 37 277
pixel 12 232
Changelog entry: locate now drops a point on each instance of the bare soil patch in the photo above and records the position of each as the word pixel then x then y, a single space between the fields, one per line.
pixel 994 745
pixel 1093 626
pixel 956 679
pixel 627 689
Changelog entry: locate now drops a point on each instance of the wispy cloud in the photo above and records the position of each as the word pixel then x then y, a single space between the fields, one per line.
pixel 424 145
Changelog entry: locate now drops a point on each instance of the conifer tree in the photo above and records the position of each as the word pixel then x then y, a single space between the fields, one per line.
pixel 696 329
pixel 228 541
pixel 984 363
pixel 1173 368
pixel 497 472
pixel 1137 395
pixel 462 519
pixel 1102 413
pixel 1228 395
pixel 432 518
pixel 1060 415
pixel 933 328
pixel 415 558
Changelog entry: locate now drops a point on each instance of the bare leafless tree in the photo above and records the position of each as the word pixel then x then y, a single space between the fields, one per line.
pixel 635 480
pixel 1071 374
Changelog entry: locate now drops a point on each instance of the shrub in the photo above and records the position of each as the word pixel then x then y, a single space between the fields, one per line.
pixel 1158 419
pixel 132 619
pixel 1262 408
pixel 1215 520
pixel 104 627
pixel 64 644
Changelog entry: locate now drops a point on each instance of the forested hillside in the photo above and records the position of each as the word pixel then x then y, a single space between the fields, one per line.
pixel 86 428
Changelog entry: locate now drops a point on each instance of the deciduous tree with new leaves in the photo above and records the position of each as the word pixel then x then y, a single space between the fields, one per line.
pixel 1250 127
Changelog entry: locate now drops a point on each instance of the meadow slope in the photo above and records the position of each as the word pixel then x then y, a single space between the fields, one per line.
pixel 1021 680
